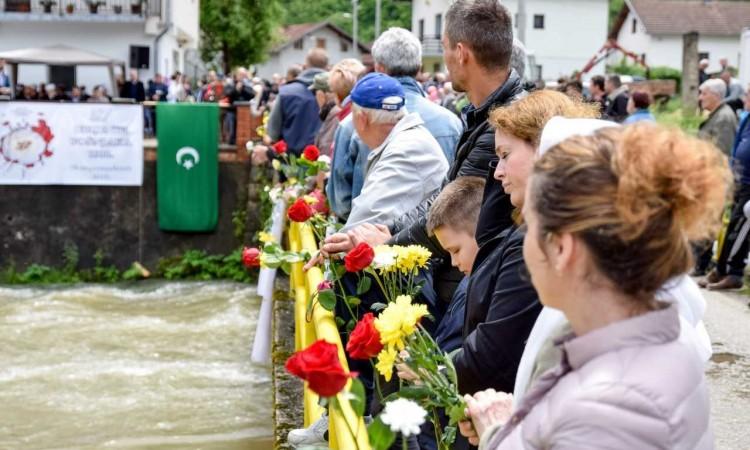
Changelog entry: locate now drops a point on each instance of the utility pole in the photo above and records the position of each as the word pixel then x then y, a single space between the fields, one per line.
pixel 354 26
pixel 689 74
pixel 521 21
pixel 377 18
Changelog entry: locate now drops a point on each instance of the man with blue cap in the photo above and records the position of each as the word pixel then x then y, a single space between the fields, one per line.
pixel 405 164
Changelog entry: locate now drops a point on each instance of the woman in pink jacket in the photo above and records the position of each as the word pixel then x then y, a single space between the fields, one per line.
pixel 609 218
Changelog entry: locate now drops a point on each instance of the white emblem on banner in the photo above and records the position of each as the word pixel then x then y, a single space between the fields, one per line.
pixel 188 163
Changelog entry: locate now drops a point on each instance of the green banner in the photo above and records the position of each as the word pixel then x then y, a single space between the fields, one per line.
pixel 187 166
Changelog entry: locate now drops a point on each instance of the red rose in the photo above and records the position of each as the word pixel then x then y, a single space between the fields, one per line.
pixel 311 153
pixel 324 285
pixel 364 342
pixel 300 211
pixel 280 147
pixel 320 366
pixel 251 257
pixel 359 258
pixel 321 205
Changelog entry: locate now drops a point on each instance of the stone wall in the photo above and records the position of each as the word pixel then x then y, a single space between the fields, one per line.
pixel 37 222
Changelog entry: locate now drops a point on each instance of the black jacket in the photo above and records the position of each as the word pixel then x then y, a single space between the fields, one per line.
pixel 501 309
pixel 474 152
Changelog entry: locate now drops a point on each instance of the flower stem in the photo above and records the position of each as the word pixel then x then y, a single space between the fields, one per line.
pixel 404 442
pixel 337 405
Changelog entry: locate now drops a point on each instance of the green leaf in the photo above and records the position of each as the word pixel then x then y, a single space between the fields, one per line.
pixel 327 299
pixel 381 436
pixel 363 285
pixel 350 325
pixel 414 392
pixel 449 436
pixel 357 399
pixel 456 413
pixel 378 306
pixel 340 271
pixel 353 301
pixel 340 322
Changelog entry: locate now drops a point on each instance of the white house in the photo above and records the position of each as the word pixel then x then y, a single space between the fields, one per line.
pixel 297 40
pixel 561 35
pixel 654 29
pixel 150 35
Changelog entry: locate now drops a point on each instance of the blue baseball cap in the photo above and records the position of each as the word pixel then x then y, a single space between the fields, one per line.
pixel 378 91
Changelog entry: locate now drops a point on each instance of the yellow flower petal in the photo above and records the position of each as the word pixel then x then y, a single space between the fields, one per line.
pixel 386 360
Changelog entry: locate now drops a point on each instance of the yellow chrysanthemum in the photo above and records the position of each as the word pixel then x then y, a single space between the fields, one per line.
pixel 399 320
pixel 411 257
pixel 262 259
pixel 310 200
pixel 386 360
pixel 276 164
pixel 265 237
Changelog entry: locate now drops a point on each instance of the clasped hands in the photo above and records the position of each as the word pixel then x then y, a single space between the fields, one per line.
pixel 372 234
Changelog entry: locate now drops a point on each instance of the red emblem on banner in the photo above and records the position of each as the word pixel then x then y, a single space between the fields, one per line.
pixel 26 144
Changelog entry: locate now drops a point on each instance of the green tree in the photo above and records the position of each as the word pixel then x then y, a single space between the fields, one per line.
pixel 241 31
pixel 394 13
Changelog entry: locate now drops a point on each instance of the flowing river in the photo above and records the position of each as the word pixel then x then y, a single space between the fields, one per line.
pixel 152 365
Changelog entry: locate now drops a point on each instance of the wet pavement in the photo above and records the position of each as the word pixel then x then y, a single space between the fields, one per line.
pixel 728 322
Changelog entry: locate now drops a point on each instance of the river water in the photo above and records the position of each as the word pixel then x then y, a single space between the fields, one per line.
pixel 144 366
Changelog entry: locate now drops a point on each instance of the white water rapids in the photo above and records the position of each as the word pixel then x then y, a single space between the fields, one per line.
pixel 139 366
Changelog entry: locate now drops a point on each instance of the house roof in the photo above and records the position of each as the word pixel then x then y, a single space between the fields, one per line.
pixel 61 55
pixel 292 33
pixel 706 17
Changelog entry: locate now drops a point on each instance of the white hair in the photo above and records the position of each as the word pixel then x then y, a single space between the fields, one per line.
pixel 399 52
pixel 715 85
pixel 380 116
pixel 518 57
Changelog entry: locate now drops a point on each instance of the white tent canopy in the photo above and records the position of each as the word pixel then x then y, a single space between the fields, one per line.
pixel 59 55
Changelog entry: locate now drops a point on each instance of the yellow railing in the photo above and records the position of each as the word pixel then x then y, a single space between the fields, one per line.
pixel 342 423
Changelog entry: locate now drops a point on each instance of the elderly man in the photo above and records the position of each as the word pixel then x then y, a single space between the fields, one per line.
pixel 721 124
pixel 398 53
pixel 405 164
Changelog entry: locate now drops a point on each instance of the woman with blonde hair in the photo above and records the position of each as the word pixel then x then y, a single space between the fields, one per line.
pixel 609 220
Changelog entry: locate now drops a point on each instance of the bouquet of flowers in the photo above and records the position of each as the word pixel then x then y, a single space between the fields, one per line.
pixel 309 164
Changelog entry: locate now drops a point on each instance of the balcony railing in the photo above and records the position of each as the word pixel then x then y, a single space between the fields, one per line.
pixel 432 46
pixel 127 9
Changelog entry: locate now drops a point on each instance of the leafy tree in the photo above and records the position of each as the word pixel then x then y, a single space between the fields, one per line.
pixel 241 31
pixel 394 13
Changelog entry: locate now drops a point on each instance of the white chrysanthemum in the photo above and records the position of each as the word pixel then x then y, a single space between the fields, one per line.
pixel 325 159
pixel 403 416
pixel 385 257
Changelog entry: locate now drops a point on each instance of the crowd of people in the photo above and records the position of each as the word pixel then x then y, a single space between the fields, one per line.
pixel 564 225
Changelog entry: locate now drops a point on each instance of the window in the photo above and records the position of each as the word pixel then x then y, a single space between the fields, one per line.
pixel 703 55
pixel 344 47
pixel 538 21
pixel 320 42
pixel 435 67
pixel 515 20
pixel 634 26
pixel 421 29
pixel 298 44
pixel 438 25
pixel 539 72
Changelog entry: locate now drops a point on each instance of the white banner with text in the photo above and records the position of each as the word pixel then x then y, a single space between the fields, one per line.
pixel 71 143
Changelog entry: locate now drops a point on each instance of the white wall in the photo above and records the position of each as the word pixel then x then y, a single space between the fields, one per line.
pixel 745 58
pixel 108 39
pixel 573 30
pixel 666 50
pixel 279 63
